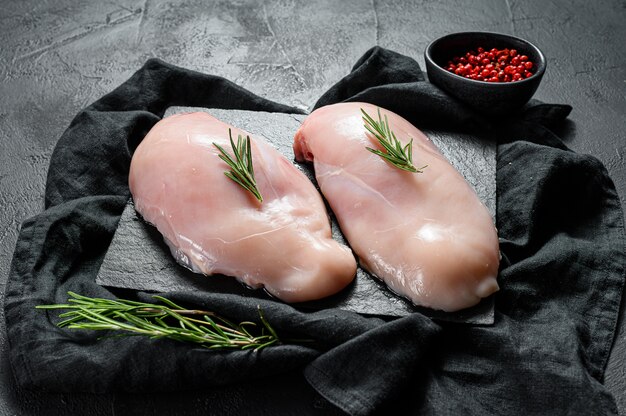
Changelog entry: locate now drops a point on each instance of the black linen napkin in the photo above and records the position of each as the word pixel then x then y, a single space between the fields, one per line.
pixel 561 233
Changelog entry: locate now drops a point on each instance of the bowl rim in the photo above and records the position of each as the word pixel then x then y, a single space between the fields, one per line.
pixel 541 65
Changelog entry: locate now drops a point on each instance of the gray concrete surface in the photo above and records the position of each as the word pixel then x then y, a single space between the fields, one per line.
pixel 58 56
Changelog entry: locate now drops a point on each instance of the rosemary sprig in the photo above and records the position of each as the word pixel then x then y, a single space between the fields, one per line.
pixel 241 171
pixel 166 320
pixel 400 157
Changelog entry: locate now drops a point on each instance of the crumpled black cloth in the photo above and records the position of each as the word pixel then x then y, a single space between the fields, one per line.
pixel 561 234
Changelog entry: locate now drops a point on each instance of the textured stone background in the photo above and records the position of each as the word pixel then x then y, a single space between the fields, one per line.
pixel 58 56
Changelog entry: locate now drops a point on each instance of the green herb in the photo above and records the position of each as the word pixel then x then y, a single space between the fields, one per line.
pixel 400 157
pixel 166 320
pixel 241 171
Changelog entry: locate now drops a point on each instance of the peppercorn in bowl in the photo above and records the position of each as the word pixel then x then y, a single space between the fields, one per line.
pixel 494 73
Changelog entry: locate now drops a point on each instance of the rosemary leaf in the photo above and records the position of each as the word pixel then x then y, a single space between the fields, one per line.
pixel 167 302
pixel 399 156
pixel 242 171
pixel 166 320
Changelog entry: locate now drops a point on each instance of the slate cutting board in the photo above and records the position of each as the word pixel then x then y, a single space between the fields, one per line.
pixel 139 259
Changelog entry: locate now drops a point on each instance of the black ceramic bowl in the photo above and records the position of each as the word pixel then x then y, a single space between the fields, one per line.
pixel 495 98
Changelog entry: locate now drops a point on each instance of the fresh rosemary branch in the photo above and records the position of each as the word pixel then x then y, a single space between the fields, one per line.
pixel 400 157
pixel 241 171
pixel 166 320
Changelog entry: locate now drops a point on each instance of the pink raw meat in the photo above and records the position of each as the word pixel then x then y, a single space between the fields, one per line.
pixel 215 226
pixel 426 235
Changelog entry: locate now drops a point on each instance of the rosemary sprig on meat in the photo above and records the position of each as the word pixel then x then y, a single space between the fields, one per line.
pixel 165 320
pixel 242 171
pixel 399 156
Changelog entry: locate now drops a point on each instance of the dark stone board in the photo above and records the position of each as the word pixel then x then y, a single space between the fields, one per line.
pixel 139 259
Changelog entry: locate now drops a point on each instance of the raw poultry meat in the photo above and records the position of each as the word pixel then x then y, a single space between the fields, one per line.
pixel 426 235
pixel 213 225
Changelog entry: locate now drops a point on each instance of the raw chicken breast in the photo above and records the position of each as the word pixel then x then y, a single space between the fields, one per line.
pixel 215 226
pixel 427 235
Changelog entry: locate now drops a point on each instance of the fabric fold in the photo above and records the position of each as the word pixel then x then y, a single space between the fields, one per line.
pixel 358 377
